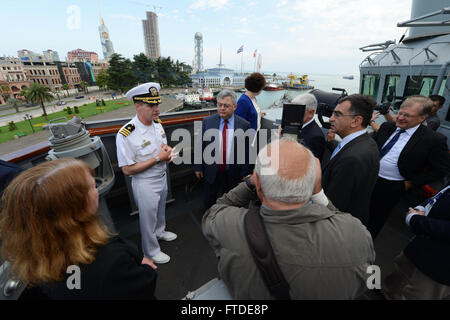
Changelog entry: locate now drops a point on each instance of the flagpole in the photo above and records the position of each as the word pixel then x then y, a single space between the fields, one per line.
pixel 242 60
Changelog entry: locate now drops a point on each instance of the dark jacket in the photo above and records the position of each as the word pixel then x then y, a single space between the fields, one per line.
pixel 425 157
pixel 349 178
pixel 429 250
pixel 236 171
pixel 116 273
pixel 8 171
pixel 314 139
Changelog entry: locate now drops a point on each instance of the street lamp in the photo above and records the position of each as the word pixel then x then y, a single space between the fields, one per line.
pixel 29 117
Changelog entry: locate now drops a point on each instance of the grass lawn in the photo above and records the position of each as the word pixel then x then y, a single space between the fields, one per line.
pixel 85 111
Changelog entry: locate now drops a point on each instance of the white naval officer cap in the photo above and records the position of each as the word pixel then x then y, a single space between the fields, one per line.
pixel 147 93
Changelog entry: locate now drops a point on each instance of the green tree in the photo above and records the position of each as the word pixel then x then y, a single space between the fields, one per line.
pixel 40 94
pixel 121 75
pixel 144 68
pixel 15 103
pixel 65 86
pixel 102 79
pixel 84 85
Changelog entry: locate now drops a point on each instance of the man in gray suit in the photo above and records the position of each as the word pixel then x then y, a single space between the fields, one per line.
pixel 350 175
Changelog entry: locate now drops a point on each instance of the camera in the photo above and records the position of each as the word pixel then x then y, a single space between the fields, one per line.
pixel 385 107
pixel 292 120
pixel 326 102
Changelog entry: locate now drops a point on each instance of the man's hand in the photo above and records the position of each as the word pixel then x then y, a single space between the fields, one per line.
pixel 374 116
pixel 165 153
pixel 411 211
pixel 149 262
pixel 199 174
pixel 263 114
pixel 330 135
pixel 408 185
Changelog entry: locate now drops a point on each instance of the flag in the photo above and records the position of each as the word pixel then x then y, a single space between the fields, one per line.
pixel 254 54
pixel 240 49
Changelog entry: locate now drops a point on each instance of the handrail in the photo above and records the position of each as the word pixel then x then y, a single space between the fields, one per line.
pixel 32 151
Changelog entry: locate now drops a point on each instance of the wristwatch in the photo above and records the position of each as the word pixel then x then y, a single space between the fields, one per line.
pixel 249 184
pixel 158 160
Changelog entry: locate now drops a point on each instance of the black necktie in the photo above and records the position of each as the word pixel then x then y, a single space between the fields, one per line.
pixel 391 143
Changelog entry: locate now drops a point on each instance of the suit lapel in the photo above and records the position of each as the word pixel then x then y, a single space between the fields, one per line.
pixel 383 138
pixel 345 148
pixel 415 138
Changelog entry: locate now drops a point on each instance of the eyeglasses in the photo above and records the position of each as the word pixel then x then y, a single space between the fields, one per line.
pixel 226 106
pixel 406 115
pixel 338 114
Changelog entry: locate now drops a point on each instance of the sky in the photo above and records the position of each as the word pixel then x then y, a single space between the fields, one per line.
pixel 299 36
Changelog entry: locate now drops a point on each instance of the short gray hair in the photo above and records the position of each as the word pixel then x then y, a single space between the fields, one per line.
pixel 227 93
pixel 279 188
pixel 307 99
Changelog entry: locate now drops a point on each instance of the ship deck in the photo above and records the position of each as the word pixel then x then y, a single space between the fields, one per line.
pixel 193 262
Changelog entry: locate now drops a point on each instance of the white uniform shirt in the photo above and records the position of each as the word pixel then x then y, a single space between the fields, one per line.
pixel 388 164
pixel 142 144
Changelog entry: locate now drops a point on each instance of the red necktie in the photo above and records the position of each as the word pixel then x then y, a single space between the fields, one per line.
pixel 223 166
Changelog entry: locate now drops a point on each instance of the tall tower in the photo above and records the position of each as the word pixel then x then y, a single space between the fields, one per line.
pixel 107 46
pixel 198 39
pixel 151 36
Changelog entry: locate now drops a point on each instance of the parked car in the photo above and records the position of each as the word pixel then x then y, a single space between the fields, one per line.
pixel 61 103
pixel 79 97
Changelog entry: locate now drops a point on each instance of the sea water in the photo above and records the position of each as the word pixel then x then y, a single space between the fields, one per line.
pixel 267 99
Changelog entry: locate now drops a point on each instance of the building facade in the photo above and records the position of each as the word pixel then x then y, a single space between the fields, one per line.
pixel 217 77
pixel 151 36
pixel 13 78
pixel 51 55
pixel 45 73
pixel 80 55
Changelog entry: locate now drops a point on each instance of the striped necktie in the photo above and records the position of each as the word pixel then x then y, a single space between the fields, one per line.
pixel 391 143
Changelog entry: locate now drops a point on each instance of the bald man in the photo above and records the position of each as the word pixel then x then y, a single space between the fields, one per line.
pixel 323 253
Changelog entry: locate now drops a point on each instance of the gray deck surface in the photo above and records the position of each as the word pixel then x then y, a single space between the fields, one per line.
pixel 193 262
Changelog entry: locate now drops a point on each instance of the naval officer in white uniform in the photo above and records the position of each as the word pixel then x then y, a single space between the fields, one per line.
pixel 143 153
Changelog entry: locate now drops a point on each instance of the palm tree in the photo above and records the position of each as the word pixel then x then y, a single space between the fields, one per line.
pixel 38 93
pixel 24 93
pixel 65 86
pixel 84 85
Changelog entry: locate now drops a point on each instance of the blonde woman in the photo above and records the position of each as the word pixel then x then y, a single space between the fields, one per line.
pixel 51 230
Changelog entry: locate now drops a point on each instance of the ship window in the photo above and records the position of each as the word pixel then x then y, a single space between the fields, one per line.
pixel 442 88
pixel 370 85
pixel 423 85
pixel 392 83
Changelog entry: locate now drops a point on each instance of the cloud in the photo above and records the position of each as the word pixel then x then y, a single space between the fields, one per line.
pixel 208 4
pixel 281 3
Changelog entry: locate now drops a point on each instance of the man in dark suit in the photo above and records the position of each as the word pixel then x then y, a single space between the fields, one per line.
pixel 226 161
pixel 412 156
pixel 350 175
pixel 312 135
pixel 421 269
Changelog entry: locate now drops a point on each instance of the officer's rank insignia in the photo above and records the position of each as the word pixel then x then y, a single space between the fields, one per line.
pixel 157 121
pixel 153 91
pixel 127 130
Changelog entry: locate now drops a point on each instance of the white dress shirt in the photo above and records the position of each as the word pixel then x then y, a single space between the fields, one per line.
pixel 388 164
